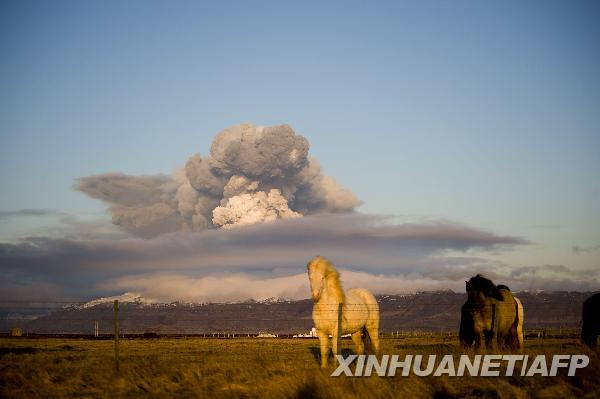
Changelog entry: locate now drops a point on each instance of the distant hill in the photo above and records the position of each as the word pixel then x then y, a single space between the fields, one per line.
pixel 425 311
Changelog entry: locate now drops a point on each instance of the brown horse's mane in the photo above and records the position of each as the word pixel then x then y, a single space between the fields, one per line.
pixel 489 289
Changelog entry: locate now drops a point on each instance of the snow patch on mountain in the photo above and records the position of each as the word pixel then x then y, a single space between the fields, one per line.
pixel 128 297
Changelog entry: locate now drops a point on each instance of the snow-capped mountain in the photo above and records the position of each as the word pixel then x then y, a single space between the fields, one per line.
pixel 136 298
pixel 425 311
pixel 128 297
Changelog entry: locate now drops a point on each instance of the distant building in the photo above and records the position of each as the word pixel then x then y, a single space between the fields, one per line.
pixel 311 334
pixel 266 335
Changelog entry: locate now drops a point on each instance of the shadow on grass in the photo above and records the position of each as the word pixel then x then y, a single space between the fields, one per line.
pixel 308 390
pixel 429 348
pixel 26 350
pixel 17 351
pixel 316 352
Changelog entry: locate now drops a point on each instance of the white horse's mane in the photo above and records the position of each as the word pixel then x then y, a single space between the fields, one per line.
pixel 332 277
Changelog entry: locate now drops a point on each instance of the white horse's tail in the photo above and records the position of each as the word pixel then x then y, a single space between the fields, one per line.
pixel 519 321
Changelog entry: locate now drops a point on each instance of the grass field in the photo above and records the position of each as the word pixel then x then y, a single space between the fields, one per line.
pixel 257 368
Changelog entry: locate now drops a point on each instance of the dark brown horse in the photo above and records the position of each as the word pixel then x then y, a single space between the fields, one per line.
pixel 491 316
pixel 590 317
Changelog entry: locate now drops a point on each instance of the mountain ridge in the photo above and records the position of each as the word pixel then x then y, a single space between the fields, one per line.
pixel 424 311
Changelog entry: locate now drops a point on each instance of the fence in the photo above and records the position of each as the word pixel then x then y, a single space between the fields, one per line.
pixel 254 319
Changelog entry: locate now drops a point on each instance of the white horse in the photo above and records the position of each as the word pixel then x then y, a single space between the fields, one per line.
pixel 359 310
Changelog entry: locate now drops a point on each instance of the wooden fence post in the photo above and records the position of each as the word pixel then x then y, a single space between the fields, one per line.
pixel 338 338
pixel 116 309
pixel 494 327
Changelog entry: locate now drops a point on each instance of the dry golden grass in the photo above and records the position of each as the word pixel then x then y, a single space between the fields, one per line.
pixel 256 368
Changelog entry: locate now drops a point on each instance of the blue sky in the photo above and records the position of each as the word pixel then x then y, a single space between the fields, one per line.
pixel 480 113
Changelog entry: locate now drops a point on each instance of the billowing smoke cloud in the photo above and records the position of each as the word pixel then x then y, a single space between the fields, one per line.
pixel 252 174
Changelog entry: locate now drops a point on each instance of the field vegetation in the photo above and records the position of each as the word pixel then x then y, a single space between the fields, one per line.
pixel 258 368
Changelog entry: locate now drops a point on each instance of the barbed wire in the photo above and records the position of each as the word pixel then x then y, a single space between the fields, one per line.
pixel 249 305
pixel 177 319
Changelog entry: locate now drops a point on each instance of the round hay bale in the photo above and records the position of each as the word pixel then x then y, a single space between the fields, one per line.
pixel 16 332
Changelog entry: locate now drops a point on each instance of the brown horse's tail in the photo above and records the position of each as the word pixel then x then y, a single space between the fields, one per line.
pixel 517 326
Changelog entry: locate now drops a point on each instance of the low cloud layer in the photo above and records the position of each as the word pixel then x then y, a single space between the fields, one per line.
pixel 577 249
pixel 252 174
pixel 355 239
pixel 29 213
pixel 230 287
pixel 256 261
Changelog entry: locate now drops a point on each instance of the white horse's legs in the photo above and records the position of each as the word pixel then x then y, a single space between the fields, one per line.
pixel 324 344
pixel 373 330
pixel 357 339
pixel 336 343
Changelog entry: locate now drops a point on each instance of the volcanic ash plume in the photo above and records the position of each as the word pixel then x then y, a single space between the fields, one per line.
pixel 253 174
pixel 252 208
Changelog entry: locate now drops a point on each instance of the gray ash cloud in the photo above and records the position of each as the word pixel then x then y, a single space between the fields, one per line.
pixel 252 174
